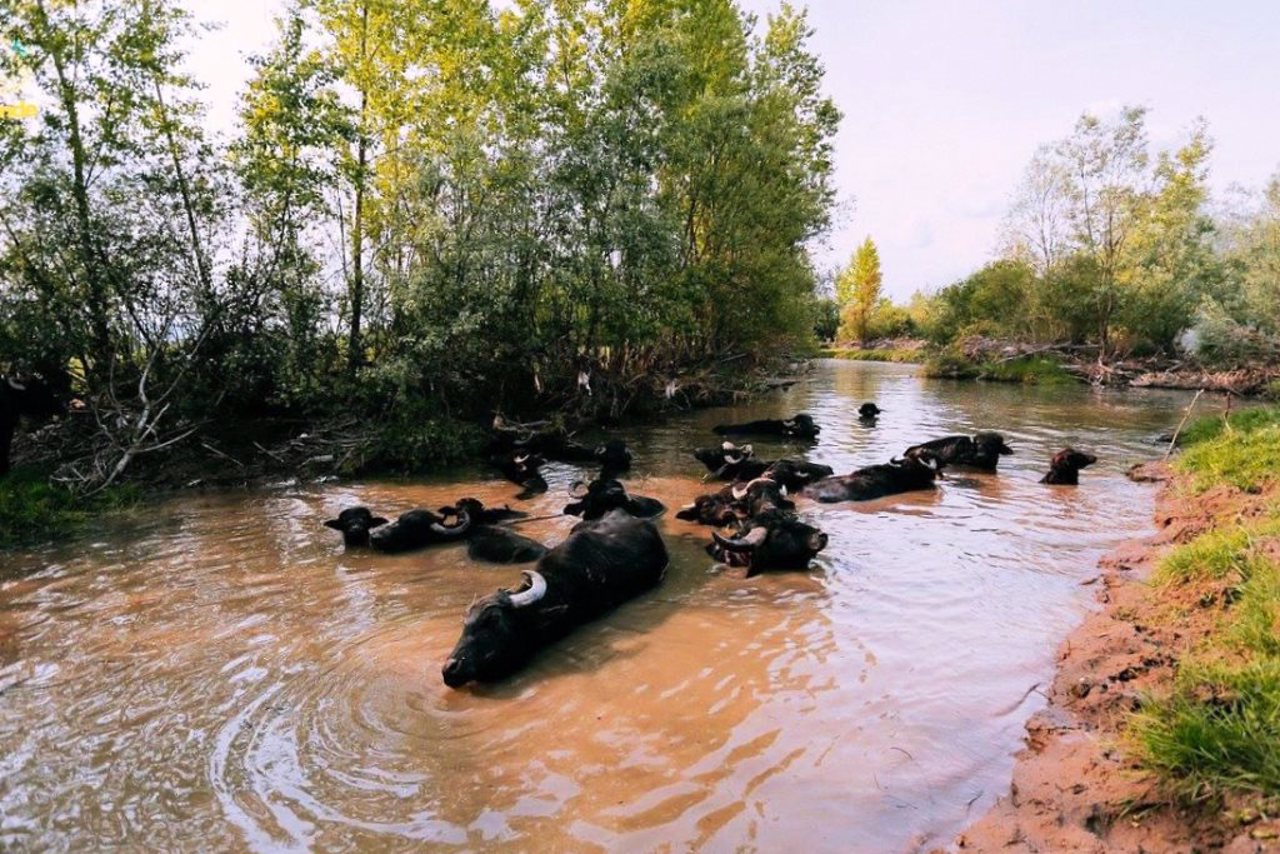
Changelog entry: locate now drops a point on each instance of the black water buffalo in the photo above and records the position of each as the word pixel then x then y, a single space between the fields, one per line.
pixel 773 539
pixel 736 502
pixel 605 495
pixel 795 475
pixel 717 508
pixel 495 544
pixel 877 481
pixel 355 523
pixel 799 427
pixel 614 458
pixel 1064 468
pixel 731 462
pixel 27 398
pixel 418 529
pixel 868 412
pixel 521 467
pixel 600 566
pixel 983 451
pixel 481 515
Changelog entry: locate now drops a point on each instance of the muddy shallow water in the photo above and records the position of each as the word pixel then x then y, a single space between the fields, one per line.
pixel 216 672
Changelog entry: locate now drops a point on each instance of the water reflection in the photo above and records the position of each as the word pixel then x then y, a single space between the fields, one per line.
pixel 218 672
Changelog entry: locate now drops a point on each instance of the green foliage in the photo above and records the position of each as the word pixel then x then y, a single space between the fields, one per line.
pixel 1032 370
pixel 875 355
pixel 1240 421
pixel 826 319
pixel 467 207
pixel 1110 244
pixel 417 440
pixel 1245 460
pixel 950 363
pixel 1214 555
pixel 34 509
pixel 858 292
pixel 1219 729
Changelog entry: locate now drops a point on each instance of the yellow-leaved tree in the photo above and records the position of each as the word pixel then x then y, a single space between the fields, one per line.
pixel 858 291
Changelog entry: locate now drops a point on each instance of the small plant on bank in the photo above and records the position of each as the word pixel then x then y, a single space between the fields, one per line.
pixel 32 508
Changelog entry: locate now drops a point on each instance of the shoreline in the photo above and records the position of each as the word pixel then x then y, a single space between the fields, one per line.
pixel 1077 784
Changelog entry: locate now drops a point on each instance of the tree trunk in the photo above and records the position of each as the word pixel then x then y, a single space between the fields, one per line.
pixel 97 300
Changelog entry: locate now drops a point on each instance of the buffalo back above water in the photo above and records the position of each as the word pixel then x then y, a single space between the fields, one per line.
pixel 873 482
pixel 600 566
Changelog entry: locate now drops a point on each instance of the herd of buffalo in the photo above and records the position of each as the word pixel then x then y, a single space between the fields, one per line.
pixel 615 552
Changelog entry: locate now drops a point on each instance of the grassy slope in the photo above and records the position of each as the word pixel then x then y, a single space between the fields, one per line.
pixel 1218 729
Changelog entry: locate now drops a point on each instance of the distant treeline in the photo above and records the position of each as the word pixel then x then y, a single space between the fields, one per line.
pixel 1110 245
pixel 426 201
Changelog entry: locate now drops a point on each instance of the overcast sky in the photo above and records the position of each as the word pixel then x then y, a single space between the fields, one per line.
pixel 945 102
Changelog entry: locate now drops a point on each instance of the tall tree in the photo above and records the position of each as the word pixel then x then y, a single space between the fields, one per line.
pixel 858 289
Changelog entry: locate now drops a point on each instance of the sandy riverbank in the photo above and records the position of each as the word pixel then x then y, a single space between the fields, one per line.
pixel 1077 785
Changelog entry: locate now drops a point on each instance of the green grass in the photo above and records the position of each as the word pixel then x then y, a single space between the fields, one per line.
pixel 1257 620
pixel 1031 370
pixel 857 355
pixel 1244 421
pixel 1218 730
pixel 1246 458
pixel 1215 555
pixel 33 509
pixel 1036 370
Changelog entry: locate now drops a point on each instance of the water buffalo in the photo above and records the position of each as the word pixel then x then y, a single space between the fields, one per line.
pixel 869 412
pixel 795 475
pixel 799 427
pixel 481 515
pixel 737 501
pixel 602 496
pixel 355 523
pixel 521 467
pixel 774 539
pixel 1064 468
pixel 600 566
pixel 418 529
pixel 731 462
pixel 495 544
pixel 614 458
pixel 717 508
pixel 877 481
pixel 30 398
pixel 983 451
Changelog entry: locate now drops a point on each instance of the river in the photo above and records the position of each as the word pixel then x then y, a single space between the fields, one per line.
pixel 215 671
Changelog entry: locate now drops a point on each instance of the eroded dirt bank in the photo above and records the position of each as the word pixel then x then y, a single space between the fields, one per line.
pixel 1077 785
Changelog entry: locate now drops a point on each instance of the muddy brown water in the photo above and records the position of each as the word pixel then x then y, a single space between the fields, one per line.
pixel 215 671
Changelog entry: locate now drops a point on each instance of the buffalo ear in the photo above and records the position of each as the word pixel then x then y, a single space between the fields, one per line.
pixel 336 525
pixel 377 521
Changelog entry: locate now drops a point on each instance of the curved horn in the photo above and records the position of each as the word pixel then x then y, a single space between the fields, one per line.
pixel 739 491
pixel 537 589
pixel 578 490
pixel 455 530
pixel 15 385
pixel 741 544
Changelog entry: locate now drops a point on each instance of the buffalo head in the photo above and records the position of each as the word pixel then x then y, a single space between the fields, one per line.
pixel 775 540
pixel 991 443
pixel 355 523
pixel 493 644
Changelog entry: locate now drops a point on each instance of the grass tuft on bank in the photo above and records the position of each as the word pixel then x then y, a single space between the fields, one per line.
pixel 1029 370
pixel 33 509
pixel 1217 730
pixel 854 354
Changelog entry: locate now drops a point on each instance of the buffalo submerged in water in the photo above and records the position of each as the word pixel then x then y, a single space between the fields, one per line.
pixel 878 481
pixel 599 567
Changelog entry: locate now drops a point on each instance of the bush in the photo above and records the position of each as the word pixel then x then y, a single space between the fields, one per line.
pixel 33 509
